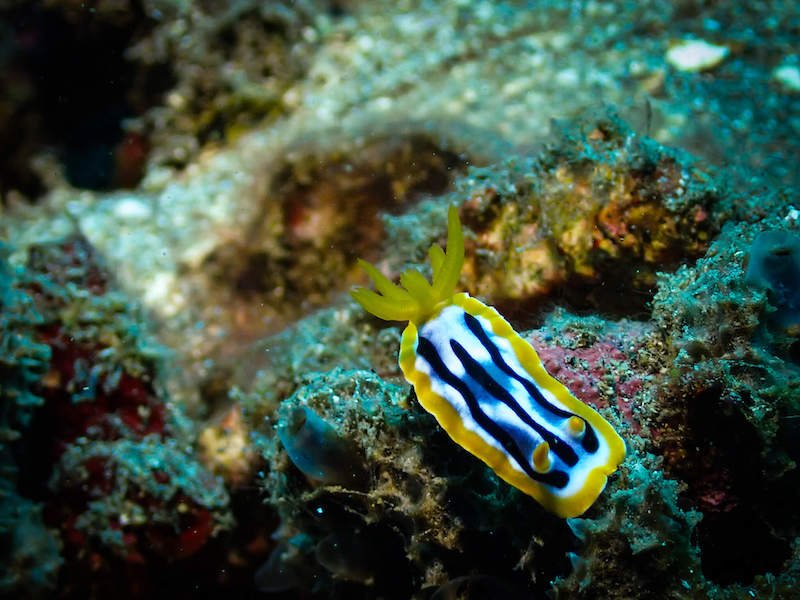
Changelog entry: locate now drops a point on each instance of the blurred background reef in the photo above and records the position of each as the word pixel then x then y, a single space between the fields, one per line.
pixel 193 406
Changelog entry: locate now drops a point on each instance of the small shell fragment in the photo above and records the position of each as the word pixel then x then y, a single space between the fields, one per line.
pixel 695 56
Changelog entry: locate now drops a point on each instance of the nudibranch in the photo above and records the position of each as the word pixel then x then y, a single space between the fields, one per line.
pixel 488 389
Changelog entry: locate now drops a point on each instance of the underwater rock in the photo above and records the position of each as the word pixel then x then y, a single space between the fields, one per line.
pixel 140 501
pixel 599 361
pixel 124 487
pixel 643 540
pixel 709 310
pixel 723 416
pixel 592 217
pixel 228 67
pixel 30 553
pixel 711 317
pixel 428 506
pixel 23 358
pixel 101 379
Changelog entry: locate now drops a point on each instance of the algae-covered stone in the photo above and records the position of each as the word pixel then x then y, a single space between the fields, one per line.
pixel 424 499
pixel 594 216
pixel 85 410
pixel 30 552
pixel 643 540
pixel 724 416
pixel 132 498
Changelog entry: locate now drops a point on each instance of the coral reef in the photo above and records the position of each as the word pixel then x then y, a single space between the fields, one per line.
pixel 135 500
pixel 667 518
pixel 724 416
pixel 23 359
pixel 192 406
pixel 642 541
pixel 427 490
pixel 82 411
pixel 602 362
pixel 603 204
pixel 352 469
pixel 317 427
pixel 31 555
pixel 231 65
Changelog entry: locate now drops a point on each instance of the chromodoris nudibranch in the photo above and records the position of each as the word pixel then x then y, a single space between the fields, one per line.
pixel 487 388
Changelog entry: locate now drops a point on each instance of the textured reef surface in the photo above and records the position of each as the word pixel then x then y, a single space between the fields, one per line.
pixel 192 405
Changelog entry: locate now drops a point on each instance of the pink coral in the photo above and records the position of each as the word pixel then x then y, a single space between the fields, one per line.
pixel 600 374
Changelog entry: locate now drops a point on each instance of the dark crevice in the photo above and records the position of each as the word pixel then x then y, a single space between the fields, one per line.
pixel 725 473
pixel 70 89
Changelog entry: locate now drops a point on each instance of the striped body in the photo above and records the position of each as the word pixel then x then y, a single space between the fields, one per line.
pixel 488 389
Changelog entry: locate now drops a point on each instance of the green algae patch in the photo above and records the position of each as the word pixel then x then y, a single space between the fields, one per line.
pixel 642 539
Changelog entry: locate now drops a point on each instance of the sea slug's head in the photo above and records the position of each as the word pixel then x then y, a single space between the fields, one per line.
pixel 416 299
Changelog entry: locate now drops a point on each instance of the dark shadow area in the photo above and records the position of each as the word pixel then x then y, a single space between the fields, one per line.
pixel 68 90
